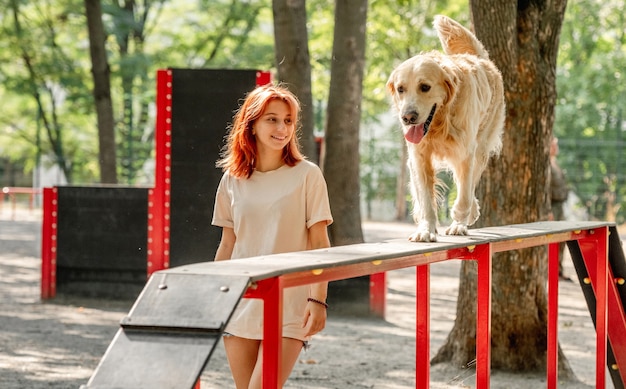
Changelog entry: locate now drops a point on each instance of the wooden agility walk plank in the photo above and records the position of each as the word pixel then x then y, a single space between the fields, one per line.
pixel 369 258
pixel 174 326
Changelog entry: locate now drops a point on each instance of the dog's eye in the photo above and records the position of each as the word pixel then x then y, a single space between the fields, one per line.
pixel 424 87
pixel 400 89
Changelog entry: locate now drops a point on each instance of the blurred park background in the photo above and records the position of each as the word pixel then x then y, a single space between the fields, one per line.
pixel 48 123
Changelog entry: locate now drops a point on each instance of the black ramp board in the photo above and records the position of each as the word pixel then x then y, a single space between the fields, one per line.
pixel 170 333
pixel 187 301
pixel 153 359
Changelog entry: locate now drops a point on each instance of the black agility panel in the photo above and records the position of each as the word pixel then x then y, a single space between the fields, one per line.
pixel 350 297
pixel 203 104
pixel 101 241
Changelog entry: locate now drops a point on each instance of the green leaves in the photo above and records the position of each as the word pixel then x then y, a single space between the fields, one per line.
pixel 590 113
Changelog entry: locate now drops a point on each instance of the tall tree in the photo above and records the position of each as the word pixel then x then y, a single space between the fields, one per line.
pixel 294 63
pixel 42 89
pixel 130 21
pixel 102 92
pixel 341 155
pixel 522 39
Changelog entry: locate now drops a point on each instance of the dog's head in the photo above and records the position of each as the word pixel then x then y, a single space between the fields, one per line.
pixel 420 88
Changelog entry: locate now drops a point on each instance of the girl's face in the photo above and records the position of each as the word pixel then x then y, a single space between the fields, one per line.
pixel 274 128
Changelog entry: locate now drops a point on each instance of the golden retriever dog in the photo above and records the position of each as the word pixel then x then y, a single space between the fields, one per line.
pixel 451 108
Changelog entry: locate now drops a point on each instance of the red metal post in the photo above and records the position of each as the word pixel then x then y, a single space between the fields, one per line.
pixel 272 331
pixel 483 255
pixel 602 240
pixel 616 325
pixel 378 294
pixel 159 196
pixel 553 316
pixel 263 77
pixel 616 317
pixel 594 248
pixel 422 328
pixel 49 243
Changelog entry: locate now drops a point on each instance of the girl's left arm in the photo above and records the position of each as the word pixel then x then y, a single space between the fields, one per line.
pixel 227 243
pixel 318 239
pixel 315 316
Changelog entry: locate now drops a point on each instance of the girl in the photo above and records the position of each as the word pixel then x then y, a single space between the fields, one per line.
pixel 270 200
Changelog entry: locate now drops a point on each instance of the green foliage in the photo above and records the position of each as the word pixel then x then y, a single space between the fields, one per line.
pixel 239 34
pixel 152 35
pixel 43 73
pixel 590 113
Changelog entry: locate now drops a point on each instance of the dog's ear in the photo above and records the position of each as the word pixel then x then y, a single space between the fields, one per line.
pixel 391 88
pixel 451 82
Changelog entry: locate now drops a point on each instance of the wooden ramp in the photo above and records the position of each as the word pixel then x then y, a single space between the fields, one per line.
pixel 170 333
pixel 174 326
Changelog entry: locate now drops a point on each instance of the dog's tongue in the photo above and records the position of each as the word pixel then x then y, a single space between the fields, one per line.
pixel 414 134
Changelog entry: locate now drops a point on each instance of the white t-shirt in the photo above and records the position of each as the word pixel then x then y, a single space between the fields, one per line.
pixel 270 213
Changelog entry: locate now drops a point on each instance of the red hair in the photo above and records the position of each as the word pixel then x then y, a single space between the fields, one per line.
pixel 240 152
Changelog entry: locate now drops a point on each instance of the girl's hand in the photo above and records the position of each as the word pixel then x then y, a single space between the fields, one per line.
pixel 314 318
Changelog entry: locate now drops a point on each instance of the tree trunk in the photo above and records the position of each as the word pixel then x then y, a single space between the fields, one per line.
pixel 341 156
pixel 102 92
pixel 522 39
pixel 294 65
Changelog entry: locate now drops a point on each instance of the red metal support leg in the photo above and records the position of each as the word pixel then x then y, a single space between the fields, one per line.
pixel 378 294
pixel 158 257
pixel 602 240
pixel 483 255
pixel 422 328
pixel 553 307
pixel 616 318
pixel 272 332
pixel 49 244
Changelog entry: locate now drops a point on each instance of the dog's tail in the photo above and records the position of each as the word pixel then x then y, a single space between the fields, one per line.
pixel 456 39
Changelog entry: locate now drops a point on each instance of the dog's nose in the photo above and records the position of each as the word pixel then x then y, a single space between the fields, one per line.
pixel 410 118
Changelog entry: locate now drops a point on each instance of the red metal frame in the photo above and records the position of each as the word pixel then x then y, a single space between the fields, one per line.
pixel 159 196
pixel 483 255
pixel 610 316
pixel 593 242
pixel 553 304
pixel 422 326
pixel 12 191
pixel 378 291
pixel 263 77
pixel 49 243
pixel 271 292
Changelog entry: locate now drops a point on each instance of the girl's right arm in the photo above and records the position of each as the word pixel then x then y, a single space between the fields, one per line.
pixel 225 249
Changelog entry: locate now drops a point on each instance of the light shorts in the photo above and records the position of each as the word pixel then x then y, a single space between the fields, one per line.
pixel 305 344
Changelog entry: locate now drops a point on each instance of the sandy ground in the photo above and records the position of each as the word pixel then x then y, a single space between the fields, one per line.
pixel 58 344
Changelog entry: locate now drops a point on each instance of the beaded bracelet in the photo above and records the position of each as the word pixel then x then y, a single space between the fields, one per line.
pixel 318 302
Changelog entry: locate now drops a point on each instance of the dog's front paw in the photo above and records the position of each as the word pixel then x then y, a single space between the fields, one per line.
pixel 456 229
pixel 424 233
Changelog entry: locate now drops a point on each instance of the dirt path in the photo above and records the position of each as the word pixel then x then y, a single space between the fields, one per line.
pixel 58 344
